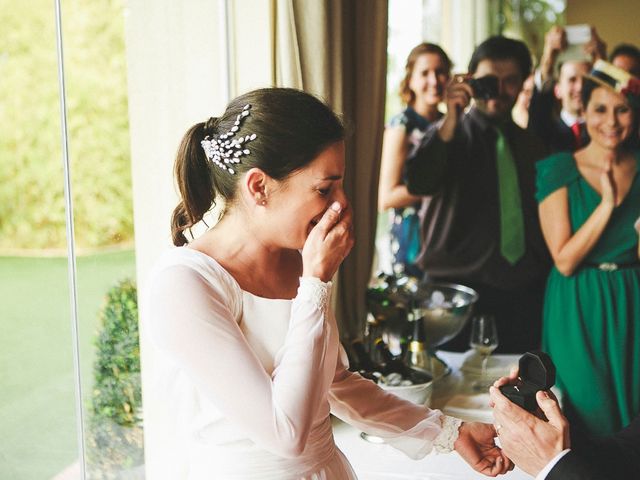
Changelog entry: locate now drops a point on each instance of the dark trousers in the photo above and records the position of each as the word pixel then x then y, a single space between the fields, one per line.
pixel 518 315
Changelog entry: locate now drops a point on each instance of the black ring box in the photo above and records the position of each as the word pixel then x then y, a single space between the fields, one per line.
pixel 537 372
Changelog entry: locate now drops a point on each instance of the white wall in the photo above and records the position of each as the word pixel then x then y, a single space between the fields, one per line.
pixel 616 20
pixel 176 68
pixel 172 82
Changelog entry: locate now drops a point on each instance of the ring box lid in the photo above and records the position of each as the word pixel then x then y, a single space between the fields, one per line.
pixel 537 369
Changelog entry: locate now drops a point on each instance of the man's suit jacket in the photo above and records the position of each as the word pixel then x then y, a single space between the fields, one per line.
pixel 616 457
pixel 549 127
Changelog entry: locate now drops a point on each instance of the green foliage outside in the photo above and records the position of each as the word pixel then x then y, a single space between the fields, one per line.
pixel 115 438
pixel 529 20
pixel 32 211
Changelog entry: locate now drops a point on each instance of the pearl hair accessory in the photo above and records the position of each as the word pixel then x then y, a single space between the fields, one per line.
pixel 225 151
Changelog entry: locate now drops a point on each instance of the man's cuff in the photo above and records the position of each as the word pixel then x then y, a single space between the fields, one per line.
pixel 537 79
pixel 545 471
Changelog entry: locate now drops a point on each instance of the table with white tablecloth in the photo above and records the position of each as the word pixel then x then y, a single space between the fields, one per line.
pixel 451 394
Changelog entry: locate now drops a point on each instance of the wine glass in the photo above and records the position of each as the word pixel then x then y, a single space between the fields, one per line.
pixel 484 340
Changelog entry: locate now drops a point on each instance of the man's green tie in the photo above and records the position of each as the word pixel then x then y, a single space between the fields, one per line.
pixel 512 243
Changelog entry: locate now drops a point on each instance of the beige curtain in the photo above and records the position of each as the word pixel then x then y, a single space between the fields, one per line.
pixel 337 49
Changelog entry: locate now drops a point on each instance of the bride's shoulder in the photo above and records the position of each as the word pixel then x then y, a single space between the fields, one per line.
pixel 184 267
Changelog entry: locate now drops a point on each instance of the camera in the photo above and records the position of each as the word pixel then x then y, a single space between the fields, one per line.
pixel 484 87
pixel 537 372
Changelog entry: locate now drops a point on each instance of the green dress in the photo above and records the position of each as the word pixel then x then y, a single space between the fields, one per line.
pixel 591 320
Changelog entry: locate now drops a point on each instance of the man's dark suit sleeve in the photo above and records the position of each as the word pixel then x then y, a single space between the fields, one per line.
pixel 426 169
pixel 616 457
pixel 574 467
pixel 541 113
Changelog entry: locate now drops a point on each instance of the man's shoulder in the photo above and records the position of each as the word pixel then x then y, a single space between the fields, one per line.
pixel 529 142
pixel 471 125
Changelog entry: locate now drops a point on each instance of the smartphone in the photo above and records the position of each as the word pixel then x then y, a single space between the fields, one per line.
pixel 577 37
pixel 578 34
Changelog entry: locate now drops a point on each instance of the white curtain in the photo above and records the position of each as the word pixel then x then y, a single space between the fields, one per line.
pixel 337 50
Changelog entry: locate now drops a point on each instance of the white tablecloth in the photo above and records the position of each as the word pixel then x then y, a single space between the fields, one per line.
pixel 451 394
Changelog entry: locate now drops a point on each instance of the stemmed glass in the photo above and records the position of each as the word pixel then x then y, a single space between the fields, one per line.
pixel 484 340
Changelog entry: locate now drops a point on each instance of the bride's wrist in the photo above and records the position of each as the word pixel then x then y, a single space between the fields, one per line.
pixel 448 437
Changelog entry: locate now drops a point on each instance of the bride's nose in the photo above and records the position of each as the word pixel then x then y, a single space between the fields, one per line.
pixel 340 196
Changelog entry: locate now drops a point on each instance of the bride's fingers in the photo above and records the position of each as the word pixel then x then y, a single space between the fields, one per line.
pixel 329 219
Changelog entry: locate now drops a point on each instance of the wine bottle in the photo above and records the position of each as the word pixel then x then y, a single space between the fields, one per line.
pixel 363 360
pixel 373 331
pixel 392 364
pixel 417 354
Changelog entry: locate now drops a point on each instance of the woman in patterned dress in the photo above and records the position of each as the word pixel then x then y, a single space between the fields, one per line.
pixel 422 89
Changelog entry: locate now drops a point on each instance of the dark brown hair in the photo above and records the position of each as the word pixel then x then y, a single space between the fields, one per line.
pixel 291 127
pixel 407 96
pixel 502 48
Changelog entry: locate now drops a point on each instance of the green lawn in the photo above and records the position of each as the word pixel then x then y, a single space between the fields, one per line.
pixel 37 397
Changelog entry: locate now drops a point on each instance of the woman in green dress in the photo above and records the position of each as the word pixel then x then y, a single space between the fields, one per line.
pixel 589 202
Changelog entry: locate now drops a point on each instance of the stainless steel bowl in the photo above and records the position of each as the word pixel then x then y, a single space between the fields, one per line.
pixel 443 307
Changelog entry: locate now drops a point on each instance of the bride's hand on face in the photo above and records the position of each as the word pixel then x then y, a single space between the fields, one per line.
pixel 328 243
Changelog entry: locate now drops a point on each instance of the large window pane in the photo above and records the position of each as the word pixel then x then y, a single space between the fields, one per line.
pixel 95 72
pixel 38 411
pixel 37 398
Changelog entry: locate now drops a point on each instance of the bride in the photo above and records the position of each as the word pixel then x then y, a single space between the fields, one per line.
pixel 249 349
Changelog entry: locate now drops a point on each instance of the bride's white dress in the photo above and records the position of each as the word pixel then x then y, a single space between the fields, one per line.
pixel 251 381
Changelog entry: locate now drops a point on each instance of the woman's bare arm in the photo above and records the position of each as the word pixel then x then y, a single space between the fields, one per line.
pixel 568 250
pixel 392 192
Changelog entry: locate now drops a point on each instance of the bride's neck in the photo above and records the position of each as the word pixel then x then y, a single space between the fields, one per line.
pixel 236 242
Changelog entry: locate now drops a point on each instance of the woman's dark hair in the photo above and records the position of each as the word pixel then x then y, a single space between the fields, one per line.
pixel 291 128
pixel 588 86
pixel 502 48
pixel 406 95
pixel 625 49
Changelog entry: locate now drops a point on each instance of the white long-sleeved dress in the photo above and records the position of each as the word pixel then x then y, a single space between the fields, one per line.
pixel 252 380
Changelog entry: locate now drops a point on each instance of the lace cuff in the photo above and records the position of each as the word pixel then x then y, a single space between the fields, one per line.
pixel 443 443
pixel 316 290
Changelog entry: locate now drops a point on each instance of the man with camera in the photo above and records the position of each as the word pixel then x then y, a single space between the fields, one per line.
pixel 479 216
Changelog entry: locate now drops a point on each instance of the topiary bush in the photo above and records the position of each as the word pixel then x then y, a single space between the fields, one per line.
pixel 115 437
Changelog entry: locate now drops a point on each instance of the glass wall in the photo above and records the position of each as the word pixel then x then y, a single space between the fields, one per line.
pixel 37 404
pixel 39 416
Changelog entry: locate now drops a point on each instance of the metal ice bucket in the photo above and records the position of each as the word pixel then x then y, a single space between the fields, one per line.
pixel 443 307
